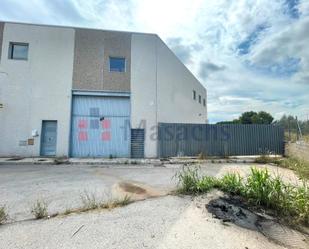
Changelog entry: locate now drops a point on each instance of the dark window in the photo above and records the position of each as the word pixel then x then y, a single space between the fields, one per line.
pixel 204 102
pixel 18 51
pixel 117 64
pixel 94 112
pixel 200 99
pixel 194 95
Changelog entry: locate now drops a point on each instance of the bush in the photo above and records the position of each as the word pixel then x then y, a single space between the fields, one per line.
pixel 39 209
pixel 260 189
pixel 3 215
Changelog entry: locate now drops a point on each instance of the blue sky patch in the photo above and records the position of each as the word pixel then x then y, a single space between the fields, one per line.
pixel 245 46
pixel 284 69
pixel 291 8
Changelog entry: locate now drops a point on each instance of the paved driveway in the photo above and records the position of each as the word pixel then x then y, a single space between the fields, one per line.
pixel 62 185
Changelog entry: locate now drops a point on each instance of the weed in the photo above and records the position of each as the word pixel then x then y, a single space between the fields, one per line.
pixel 300 166
pixel 291 202
pixel 232 183
pixel 188 180
pixel 3 215
pixel 39 209
pixel 123 202
pixel 201 156
pixel 206 184
pixel 116 203
pixel 258 187
pixel 89 201
pixel 266 159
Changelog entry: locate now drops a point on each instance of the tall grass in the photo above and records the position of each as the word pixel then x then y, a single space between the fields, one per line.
pixel 260 189
pixel 300 166
pixel 39 209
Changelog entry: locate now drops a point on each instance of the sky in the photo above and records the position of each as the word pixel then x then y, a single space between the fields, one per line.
pixel 249 54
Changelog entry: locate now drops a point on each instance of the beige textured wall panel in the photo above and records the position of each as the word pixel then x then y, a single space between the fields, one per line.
pixel 91 60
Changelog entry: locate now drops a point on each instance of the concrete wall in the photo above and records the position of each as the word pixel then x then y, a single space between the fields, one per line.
pixel 161 89
pixel 91 60
pixel 37 89
pixel 1 37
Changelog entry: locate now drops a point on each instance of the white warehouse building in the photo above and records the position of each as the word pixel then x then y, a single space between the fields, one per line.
pixel 79 92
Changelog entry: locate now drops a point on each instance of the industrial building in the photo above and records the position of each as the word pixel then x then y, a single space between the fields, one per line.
pixel 80 92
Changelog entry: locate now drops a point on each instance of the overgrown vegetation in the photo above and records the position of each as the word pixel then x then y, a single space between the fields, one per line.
pixel 39 209
pixel 301 167
pixel 3 215
pixel 260 188
pixel 91 202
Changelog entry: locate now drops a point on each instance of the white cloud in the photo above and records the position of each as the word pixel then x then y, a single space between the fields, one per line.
pixel 209 34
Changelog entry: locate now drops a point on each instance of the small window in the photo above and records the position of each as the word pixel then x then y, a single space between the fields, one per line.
pixel 204 102
pixel 200 99
pixel 18 51
pixel 94 111
pixel 117 64
pixel 194 95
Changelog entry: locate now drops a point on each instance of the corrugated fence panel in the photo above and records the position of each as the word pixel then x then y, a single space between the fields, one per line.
pixel 219 140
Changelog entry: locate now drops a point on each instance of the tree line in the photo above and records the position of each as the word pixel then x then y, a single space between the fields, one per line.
pixel 288 122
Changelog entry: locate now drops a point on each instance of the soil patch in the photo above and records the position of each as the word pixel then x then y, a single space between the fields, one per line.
pixel 135 190
pixel 132 188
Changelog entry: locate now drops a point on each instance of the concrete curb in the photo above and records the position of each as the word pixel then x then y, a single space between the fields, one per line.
pixel 120 161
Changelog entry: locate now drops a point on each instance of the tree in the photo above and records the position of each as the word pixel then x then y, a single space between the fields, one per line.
pixel 252 117
pixel 248 117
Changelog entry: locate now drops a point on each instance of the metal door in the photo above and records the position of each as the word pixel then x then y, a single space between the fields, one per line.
pixel 48 138
pixel 100 126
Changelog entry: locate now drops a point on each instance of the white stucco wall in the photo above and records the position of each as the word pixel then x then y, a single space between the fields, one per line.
pixel 175 85
pixel 37 89
pixel 143 88
pixel 161 89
